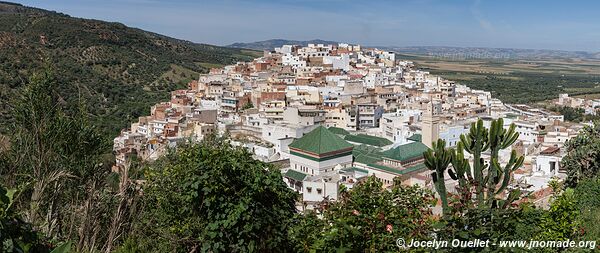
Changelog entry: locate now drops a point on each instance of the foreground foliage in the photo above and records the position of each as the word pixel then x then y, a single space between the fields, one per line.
pixel 582 159
pixel 367 218
pixel 16 235
pixel 57 161
pixel 211 197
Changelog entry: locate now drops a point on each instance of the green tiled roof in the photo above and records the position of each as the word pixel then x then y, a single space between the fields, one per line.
pixel 368 139
pixel 367 149
pixel 366 154
pixel 338 131
pixel 366 159
pixel 320 141
pixel 356 169
pixel 296 175
pixel 415 137
pixel 385 168
pixel 406 151
pixel 414 168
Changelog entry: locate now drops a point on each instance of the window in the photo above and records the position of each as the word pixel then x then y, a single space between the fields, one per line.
pixel 309 189
pixel 319 191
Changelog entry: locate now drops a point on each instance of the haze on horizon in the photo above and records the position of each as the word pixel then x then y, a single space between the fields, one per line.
pixel 560 25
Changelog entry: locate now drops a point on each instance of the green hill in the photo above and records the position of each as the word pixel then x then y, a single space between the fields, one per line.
pixel 119 70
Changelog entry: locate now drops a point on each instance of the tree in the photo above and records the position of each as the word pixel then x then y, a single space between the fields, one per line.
pixel 58 159
pixel 561 221
pixel 582 159
pixel 212 197
pixel 248 105
pixel 367 218
pixel 491 224
pixel 588 203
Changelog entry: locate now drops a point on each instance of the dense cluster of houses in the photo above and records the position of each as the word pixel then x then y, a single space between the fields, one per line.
pixel 589 106
pixel 331 115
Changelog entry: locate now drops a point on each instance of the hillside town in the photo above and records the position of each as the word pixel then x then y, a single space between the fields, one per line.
pixel 589 106
pixel 331 115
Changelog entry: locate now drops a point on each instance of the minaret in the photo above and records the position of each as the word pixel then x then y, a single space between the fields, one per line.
pixel 431 126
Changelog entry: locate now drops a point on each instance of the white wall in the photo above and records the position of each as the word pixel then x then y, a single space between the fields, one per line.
pixel 543 164
pixel 327 189
pixel 296 162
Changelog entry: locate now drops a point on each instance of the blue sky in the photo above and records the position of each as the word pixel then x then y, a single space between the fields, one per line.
pixel 566 25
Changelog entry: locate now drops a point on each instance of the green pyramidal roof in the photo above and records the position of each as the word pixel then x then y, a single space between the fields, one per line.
pixel 320 141
pixel 406 151
pixel 415 137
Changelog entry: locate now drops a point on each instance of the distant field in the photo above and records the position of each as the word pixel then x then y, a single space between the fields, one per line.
pixel 589 96
pixel 518 81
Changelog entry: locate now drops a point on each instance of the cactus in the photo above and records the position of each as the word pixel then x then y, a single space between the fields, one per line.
pixel 438 160
pixel 500 138
pixel 461 169
pixel 489 179
pixel 475 143
pixel 513 164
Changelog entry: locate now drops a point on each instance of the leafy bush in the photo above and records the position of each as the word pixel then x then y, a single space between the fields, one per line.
pixel 367 218
pixel 212 197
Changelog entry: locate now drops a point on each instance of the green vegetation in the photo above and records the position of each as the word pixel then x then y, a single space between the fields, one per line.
pixel 212 197
pixel 477 212
pixel 56 160
pixel 587 192
pixel 438 160
pixel 248 105
pixel 367 218
pixel 575 209
pixel 582 159
pixel 573 114
pixel 518 80
pixel 119 71
pixel 526 88
pixel 479 187
pixel 15 234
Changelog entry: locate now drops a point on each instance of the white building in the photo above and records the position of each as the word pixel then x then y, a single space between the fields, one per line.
pixel 315 161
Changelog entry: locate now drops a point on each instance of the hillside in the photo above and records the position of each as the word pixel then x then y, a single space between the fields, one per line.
pixel 119 70
pixel 270 44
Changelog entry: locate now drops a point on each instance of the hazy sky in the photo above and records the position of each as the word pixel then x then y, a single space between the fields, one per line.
pixel 567 25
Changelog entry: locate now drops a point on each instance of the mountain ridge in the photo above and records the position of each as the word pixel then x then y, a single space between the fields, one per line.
pixel 438 51
pixel 120 71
